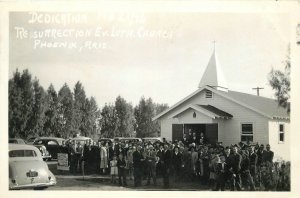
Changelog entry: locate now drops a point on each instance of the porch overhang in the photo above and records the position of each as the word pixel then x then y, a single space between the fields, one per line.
pixel 207 110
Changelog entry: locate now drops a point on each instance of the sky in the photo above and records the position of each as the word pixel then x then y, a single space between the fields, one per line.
pixel 161 55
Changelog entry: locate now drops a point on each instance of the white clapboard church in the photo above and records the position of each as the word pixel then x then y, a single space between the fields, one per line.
pixel 227 116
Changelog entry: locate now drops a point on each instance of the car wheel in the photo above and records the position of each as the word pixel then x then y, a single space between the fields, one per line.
pixel 40 188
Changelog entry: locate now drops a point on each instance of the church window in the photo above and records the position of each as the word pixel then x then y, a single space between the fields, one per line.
pixel 208 94
pixel 247 132
pixel 281 132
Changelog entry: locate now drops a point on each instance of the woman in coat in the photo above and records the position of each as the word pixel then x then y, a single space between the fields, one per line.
pixel 103 158
pixel 194 156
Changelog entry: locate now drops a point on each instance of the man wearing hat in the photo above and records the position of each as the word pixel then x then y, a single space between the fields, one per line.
pixel 177 163
pixel 259 154
pixel 138 160
pixel 166 159
pixel 151 161
pixel 253 161
pixel 159 153
pixel 235 167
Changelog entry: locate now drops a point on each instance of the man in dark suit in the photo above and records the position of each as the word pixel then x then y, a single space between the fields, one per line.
pixel 159 154
pixel 227 155
pixel 221 169
pixel 113 150
pixel 202 139
pixel 151 164
pixel 185 140
pixel 245 170
pixel 166 162
pixel 253 162
pixel 259 163
pixel 267 155
pixel 235 167
pixel 138 160
pixel 177 163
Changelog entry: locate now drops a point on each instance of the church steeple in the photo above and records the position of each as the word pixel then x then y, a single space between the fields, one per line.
pixel 213 75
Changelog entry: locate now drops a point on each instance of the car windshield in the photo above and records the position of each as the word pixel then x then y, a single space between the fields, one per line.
pixel 22 153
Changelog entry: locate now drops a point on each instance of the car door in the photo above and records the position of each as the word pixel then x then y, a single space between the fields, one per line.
pixel 53 147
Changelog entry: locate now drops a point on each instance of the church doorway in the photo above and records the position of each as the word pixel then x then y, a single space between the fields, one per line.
pixel 210 131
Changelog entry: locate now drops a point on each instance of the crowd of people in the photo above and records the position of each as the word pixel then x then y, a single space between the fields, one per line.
pixel 242 166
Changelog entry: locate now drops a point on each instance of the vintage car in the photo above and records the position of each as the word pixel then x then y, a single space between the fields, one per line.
pixel 106 140
pixel 30 140
pixel 81 139
pixel 44 152
pixel 52 144
pixel 127 139
pixel 27 168
pixel 152 139
pixel 16 141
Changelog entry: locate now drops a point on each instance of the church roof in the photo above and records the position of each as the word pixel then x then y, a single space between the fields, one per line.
pixel 213 75
pixel 216 111
pixel 207 110
pixel 264 106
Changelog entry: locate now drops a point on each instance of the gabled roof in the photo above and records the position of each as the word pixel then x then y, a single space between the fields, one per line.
pixel 218 112
pixel 208 110
pixel 264 106
pixel 196 108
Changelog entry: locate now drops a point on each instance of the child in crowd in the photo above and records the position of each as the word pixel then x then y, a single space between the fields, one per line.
pixel 113 169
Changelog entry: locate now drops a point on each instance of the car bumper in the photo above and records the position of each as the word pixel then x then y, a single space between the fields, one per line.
pixel 46 157
pixel 36 185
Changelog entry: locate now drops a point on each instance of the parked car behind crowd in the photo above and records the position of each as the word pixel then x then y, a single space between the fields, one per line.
pixel 16 141
pixel 52 144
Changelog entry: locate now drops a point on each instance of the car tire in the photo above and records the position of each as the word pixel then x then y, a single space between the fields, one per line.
pixel 40 188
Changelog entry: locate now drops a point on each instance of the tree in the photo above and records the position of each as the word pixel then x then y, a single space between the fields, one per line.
pixel 65 111
pixel 143 115
pixel 50 126
pixel 280 82
pixel 78 108
pixel 108 121
pixel 125 116
pixel 90 118
pixel 38 109
pixel 15 105
pixel 144 112
pixel 20 104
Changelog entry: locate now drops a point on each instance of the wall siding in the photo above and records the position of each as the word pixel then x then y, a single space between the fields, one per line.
pixel 281 149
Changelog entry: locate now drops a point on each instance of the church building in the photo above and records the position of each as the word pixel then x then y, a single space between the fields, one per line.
pixel 227 116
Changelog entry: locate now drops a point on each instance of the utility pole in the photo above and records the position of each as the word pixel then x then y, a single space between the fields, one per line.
pixel 257 90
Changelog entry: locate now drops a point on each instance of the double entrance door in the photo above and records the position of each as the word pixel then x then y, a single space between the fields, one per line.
pixel 210 131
